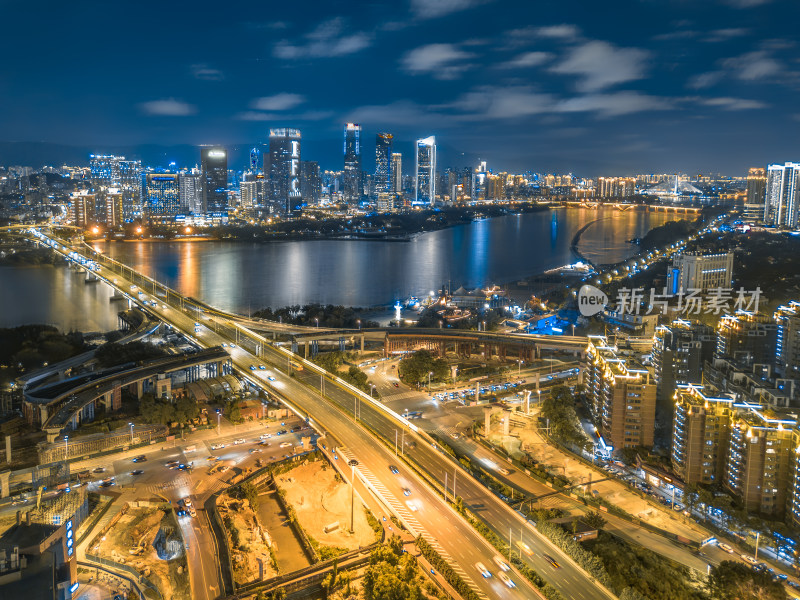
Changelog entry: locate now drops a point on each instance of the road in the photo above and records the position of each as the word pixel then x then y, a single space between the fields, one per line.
pixel 455 537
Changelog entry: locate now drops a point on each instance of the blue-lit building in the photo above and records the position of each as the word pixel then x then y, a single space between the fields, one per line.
pixel 162 197
pixel 283 166
pixel 383 163
pixel 352 163
pixel 426 171
pixel 214 181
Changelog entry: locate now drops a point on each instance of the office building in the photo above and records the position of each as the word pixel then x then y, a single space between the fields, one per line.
pixel 114 210
pixel 622 396
pixel 680 349
pixel 383 163
pixel 760 463
pixel 283 166
pixel 782 195
pixel 214 181
pixel 162 197
pixel 397 173
pixel 700 435
pixel 109 171
pixel 255 160
pixel 310 182
pixel 425 185
pixel 248 194
pixel 755 196
pixel 478 182
pixel 747 338
pixel 702 272
pixel 787 339
pixel 352 163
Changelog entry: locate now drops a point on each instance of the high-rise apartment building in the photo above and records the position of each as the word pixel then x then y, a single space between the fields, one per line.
pixel 214 180
pixel 255 160
pixel 82 209
pixel 747 338
pixel 310 182
pixel 755 196
pixel 695 271
pixel 190 192
pixel 397 173
pixel 109 171
pixel 425 188
pixel 248 194
pixel 782 202
pixel 114 209
pixel 700 435
pixel 478 182
pixel 383 163
pixel 352 163
pixel 162 197
pixel 622 395
pixel 283 166
pixel 760 460
pixel 787 340
pixel 615 187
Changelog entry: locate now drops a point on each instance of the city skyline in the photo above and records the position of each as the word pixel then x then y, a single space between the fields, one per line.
pixel 669 87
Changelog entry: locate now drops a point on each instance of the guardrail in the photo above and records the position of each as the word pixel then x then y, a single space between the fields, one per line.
pixel 152 590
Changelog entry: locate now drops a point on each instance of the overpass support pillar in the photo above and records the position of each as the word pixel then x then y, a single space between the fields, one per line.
pixel 506 421
pixel 4 487
pixel 305 346
pixel 362 342
pixel 442 349
pixel 386 347
pixel 139 388
pixel 487 420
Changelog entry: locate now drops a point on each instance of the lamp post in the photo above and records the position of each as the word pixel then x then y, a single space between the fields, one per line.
pixel 131 425
pixel 429 381
pixel 316 320
pixel 353 464
pixel 359 324
pixel 218 417
pixel 66 447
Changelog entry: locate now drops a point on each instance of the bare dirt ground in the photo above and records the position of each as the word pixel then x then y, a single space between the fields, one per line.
pixel 138 529
pixel 251 556
pixel 319 499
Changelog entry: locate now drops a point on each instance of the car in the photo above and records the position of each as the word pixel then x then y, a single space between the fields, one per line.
pixel 395 384
pixel 501 562
pixel 252 367
pixel 180 513
pixel 99 470
pixel 238 441
pixel 233 345
pixel 506 580
pixel 265 436
pixel 394 469
pixel 192 511
pixel 270 377
pixel 749 559
pixel 217 446
pixel 187 502
pixel 454 436
pixel 252 450
pixel 174 463
pixel 485 573
pixel 286 444
pixel 725 547
pixel 551 560
pixel 224 345
pixel 137 472
pixel 107 482
pixel 406 491
pixel 295 429
pixel 262 368
pixel 504 471
pixel 210 457
pixel 524 547
pixel 411 506
pixel 140 458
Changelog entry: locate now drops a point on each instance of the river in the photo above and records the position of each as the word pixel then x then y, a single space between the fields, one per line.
pixel 244 277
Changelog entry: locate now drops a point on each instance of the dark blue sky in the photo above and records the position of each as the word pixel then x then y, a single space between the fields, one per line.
pixel 591 87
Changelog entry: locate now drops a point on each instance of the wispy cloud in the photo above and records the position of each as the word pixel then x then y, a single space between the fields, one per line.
pixel 443 61
pixel 502 103
pixel 431 9
pixel 399 113
pixel 309 115
pixel 723 35
pixel 168 107
pixel 202 71
pixel 733 103
pixel 753 66
pixel 705 80
pixel 564 32
pixel 527 59
pixel 615 104
pixel 282 101
pixel 330 38
pixel 599 65
pixel 746 3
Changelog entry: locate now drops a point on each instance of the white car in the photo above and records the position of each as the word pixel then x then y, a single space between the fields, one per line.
pixel 411 506
pixel 286 444
pixel 239 441
pixel 265 436
pixel 485 573
pixel 501 562
pixel 506 580
pixel 725 547
pixel 187 502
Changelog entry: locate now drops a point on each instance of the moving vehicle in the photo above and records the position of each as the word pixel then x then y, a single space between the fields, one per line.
pixel 524 547
pixel 286 444
pixel 187 502
pixel 192 511
pixel 296 366
pixel 140 458
pixel 239 441
pixel 725 547
pixel 394 469
pixel 506 580
pixel 485 573
pixel 137 472
pixel 504 471
pixel 551 560
pixel 411 506
pixel 406 491
pixel 501 562
pixel 270 377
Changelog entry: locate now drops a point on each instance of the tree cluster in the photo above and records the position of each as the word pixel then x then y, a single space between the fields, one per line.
pixel 112 354
pixel 732 580
pixel 33 345
pixel 163 411
pixel 312 315
pixel 414 369
pixel 559 410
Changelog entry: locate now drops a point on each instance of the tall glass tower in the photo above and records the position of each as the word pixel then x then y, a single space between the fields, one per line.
pixel 214 180
pixel 352 163
pixel 425 185
pixel 284 170
pixel 383 163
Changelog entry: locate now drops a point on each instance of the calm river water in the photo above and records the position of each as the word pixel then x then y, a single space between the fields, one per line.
pixel 244 277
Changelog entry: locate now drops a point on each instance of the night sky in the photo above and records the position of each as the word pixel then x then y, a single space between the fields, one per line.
pixel 587 87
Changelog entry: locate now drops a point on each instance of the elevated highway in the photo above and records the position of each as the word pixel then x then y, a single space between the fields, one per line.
pixel 354 423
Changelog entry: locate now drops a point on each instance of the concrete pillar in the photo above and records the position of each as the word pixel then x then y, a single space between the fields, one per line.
pixel 8 448
pixel 506 421
pixel 4 487
pixel 306 349
pixel 477 391
pixel 362 342
pixel 527 402
pixel 487 425
pixel 139 388
pixel 442 349
pixel 386 347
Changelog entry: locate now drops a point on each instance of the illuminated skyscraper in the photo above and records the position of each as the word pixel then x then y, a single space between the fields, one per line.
pixel 756 196
pixel 191 198
pixel 783 195
pixel 425 187
pixel 255 160
pixel 162 197
pixel 310 181
pixel 113 208
pixel 109 171
pixel 283 166
pixel 397 173
pixel 383 163
pixel 352 163
pixel 214 180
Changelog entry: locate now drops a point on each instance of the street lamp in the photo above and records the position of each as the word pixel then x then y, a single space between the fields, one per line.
pixel 317 321
pixel 353 464
pixel 371 389
pixel 218 416
pixel 429 381
pixel 131 424
pixel 359 324
pixel 66 447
